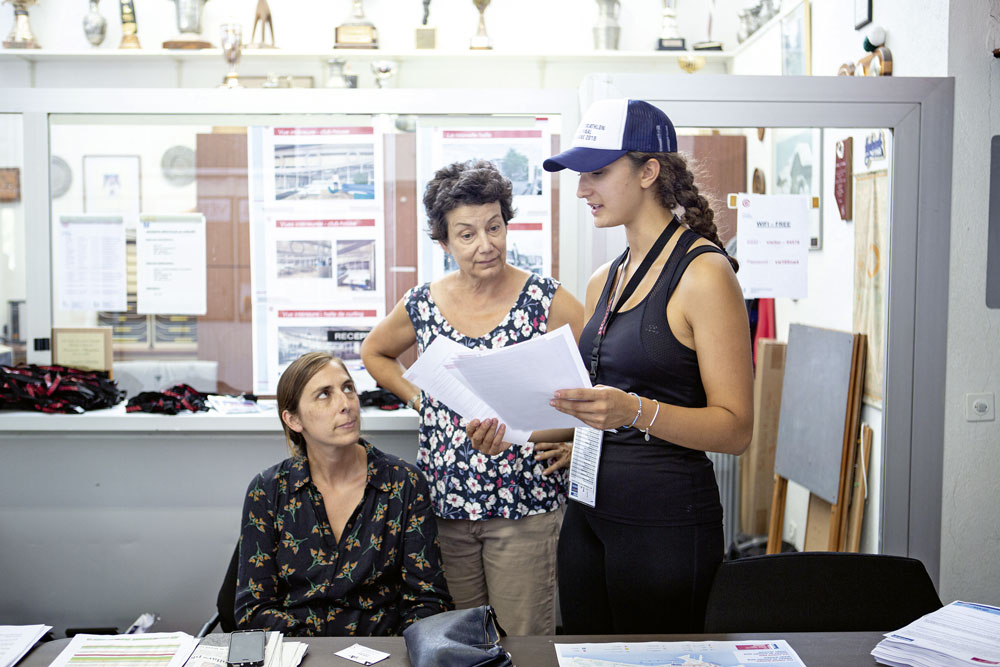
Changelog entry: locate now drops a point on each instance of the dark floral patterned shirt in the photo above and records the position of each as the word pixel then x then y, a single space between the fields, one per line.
pixel 383 574
pixel 465 483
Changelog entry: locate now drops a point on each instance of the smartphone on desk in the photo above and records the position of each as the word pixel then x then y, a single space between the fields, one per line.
pixel 246 648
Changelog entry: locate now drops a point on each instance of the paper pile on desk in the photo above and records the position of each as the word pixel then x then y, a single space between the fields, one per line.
pixel 756 652
pixel 513 384
pixel 16 640
pixel 962 633
pixel 214 649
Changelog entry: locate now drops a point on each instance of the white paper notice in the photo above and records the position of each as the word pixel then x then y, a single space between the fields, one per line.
pixel 362 654
pixel 170 264
pixel 92 273
pixel 583 466
pixel 772 245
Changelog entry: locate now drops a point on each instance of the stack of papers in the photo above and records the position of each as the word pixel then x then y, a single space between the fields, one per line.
pixel 213 650
pixel 16 640
pixel 962 633
pixel 512 384
pixel 155 649
pixel 756 652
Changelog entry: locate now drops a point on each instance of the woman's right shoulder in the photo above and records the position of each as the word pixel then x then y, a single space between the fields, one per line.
pixel 597 281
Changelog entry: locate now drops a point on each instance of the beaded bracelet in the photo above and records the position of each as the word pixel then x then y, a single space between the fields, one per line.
pixel 638 412
pixel 650 425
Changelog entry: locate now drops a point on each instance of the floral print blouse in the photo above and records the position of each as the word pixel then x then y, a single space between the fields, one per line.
pixel 383 574
pixel 465 483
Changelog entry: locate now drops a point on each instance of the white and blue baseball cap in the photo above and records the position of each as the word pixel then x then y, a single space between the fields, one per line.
pixel 611 128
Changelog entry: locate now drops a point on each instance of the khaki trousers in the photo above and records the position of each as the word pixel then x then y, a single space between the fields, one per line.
pixel 508 563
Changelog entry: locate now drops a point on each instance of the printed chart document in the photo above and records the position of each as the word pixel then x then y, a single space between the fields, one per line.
pixel 753 652
pixel 92 266
pixel 170 264
pixel 155 649
pixel 962 633
pixel 16 640
pixel 513 384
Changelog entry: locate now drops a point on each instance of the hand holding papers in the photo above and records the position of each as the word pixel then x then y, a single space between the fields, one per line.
pixel 512 384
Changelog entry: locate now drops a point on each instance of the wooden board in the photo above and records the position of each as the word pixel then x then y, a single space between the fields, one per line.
pixel 860 492
pixel 757 463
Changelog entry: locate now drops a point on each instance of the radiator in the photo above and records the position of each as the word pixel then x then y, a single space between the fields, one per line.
pixel 727 474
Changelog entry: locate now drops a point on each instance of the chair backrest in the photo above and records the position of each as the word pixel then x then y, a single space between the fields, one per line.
pixel 226 601
pixel 819 591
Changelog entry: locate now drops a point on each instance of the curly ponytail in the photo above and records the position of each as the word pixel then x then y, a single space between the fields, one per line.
pixel 676 187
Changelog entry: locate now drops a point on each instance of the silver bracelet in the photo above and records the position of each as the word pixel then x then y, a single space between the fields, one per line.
pixel 650 425
pixel 412 403
pixel 638 412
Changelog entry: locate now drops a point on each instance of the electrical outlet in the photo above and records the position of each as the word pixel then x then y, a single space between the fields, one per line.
pixel 980 407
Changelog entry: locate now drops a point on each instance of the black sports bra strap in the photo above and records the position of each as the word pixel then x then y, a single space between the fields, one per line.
pixel 688 257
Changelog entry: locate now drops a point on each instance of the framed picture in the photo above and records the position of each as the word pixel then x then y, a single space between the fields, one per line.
pixel 796 46
pixel 112 184
pixel 86 348
pixel 797 170
pixel 862 13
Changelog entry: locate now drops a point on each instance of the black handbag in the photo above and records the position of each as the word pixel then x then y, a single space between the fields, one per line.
pixel 460 638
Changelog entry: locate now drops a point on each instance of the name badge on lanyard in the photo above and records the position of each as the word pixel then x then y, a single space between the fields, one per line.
pixel 587 441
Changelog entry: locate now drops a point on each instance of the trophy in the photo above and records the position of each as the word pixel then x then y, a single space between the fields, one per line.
pixel 607 30
pixel 481 40
pixel 130 37
pixel 338 76
pixel 670 36
pixel 262 16
pixel 426 37
pixel 20 36
pixel 709 44
pixel 94 25
pixel 383 69
pixel 357 32
pixel 231 41
pixel 189 25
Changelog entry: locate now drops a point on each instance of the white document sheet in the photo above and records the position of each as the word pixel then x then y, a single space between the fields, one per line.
pixel 170 264
pixel 756 652
pixel 16 640
pixel 513 384
pixel 961 633
pixel 155 649
pixel 92 273
pixel 772 243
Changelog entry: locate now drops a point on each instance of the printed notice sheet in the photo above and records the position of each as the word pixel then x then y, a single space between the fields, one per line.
pixel 317 245
pixel 92 274
pixel 517 147
pixel 155 649
pixel 772 244
pixel 170 264
pixel 483 384
pixel 753 652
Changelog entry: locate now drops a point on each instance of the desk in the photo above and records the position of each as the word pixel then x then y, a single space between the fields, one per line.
pixel 817 649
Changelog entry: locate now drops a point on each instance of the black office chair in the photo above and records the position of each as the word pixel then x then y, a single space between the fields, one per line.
pixel 225 603
pixel 819 591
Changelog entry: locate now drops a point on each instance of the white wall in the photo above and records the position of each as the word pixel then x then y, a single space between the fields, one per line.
pixel 970 522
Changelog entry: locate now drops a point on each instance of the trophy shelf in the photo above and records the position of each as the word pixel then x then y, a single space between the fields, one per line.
pixel 402 56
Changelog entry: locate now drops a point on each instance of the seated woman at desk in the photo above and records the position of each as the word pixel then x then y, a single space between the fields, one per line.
pixel 339 539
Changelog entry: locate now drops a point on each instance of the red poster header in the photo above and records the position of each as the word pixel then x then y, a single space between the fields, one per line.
pixel 367 222
pixel 492 134
pixel 326 313
pixel 320 131
pixel 525 226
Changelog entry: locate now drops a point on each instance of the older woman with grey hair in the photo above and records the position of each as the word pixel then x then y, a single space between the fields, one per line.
pixel 498 517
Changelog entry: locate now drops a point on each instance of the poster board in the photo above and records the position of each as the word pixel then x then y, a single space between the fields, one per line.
pixel 814 400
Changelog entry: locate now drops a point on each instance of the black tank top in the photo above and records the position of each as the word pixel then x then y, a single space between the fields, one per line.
pixel 656 482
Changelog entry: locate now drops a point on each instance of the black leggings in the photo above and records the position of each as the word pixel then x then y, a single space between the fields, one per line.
pixel 617 578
